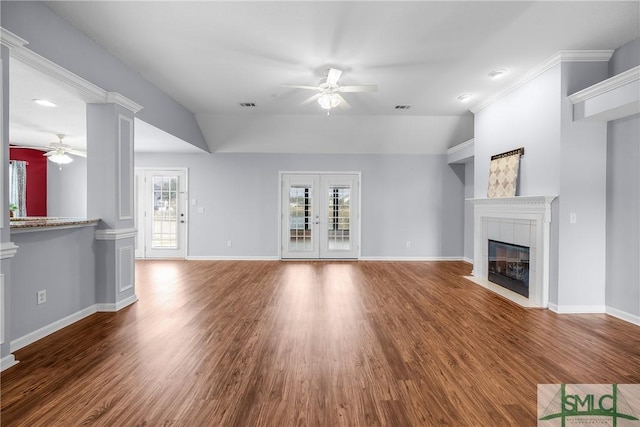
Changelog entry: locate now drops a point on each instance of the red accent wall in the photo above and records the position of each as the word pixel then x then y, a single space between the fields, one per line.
pixel 36 179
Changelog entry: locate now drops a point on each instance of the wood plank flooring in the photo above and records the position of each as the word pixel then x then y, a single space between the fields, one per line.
pixel 231 343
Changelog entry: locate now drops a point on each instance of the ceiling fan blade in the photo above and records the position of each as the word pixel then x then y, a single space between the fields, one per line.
pixel 333 75
pixel 311 99
pixel 343 102
pixel 50 153
pixel 360 88
pixel 78 153
pixel 302 87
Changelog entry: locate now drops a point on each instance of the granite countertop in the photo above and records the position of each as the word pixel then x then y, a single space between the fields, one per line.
pixel 33 223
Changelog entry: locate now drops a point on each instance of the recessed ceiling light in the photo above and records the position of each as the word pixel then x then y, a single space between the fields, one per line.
pixel 44 102
pixel 464 98
pixel 496 74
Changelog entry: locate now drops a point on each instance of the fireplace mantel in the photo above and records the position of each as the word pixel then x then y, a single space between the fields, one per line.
pixel 521 220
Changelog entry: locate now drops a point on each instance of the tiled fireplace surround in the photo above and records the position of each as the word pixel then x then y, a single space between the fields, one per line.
pixel 522 221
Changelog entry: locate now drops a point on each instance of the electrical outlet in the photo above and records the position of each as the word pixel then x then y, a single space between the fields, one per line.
pixel 42 297
pixel 408 244
pixel 573 218
pixel 229 243
pixel 200 210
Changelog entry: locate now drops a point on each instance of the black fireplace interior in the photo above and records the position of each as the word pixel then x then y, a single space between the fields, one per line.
pixel 509 266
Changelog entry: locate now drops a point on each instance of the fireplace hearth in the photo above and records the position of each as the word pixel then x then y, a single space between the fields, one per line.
pixel 508 266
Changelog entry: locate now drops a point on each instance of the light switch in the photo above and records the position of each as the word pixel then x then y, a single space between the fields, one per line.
pixel 200 209
pixel 573 218
pixel 194 202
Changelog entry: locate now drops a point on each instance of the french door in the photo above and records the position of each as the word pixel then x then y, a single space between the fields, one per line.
pixel 161 213
pixel 320 216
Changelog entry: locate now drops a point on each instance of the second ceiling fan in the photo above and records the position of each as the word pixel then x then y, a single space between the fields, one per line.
pixel 329 95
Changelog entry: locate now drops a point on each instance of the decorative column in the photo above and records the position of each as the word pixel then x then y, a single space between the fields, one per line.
pixel 8 249
pixel 110 198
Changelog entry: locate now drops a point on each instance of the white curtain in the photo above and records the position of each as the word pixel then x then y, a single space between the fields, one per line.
pixel 18 186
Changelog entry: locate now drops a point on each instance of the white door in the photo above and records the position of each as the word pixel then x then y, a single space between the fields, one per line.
pixel 161 213
pixel 320 217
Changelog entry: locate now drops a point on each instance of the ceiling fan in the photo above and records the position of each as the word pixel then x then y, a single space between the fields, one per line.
pixel 329 95
pixel 58 152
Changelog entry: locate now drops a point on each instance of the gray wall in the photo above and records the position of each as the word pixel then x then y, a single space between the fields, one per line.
pixel 528 117
pixel 63 263
pixel 468 211
pixel 623 215
pixel 419 198
pixel 52 37
pixel 67 189
pixel 5 237
pixel 625 58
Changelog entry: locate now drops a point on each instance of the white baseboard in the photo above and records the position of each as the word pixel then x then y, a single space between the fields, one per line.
pixel 468 260
pixel 109 307
pixel 7 362
pixel 34 336
pixel 391 258
pixel 623 315
pixel 577 309
pixel 231 258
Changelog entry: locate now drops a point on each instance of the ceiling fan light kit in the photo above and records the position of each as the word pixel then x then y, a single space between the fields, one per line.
pixel 329 100
pixel 329 91
pixel 60 158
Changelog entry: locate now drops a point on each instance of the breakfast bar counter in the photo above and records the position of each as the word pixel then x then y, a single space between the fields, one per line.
pixel 35 223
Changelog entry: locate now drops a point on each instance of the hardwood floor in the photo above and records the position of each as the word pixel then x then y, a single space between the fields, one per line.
pixel 230 343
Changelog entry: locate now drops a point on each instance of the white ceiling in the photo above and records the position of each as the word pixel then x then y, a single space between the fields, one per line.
pixel 32 125
pixel 212 55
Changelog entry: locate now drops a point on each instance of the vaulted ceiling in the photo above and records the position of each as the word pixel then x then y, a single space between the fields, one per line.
pixel 211 56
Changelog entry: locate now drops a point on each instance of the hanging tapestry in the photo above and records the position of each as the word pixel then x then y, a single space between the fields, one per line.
pixel 503 174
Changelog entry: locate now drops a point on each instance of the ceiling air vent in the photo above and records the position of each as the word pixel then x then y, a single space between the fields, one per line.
pixel 403 107
pixel 248 104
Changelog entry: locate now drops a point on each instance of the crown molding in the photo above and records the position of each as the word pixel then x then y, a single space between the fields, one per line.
pixel 92 92
pixel 10 40
pixel 557 58
pixel 461 146
pixel 607 85
pixel 123 101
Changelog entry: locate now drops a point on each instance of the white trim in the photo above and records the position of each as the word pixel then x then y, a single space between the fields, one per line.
pixel 557 58
pixel 123 101
pixel 110 307
pixel 462 146
pixel 578 309
pixel 10 40
pixel 115 234
pixel 553 307
pixel 7 362
pixel 123 287
pixel 34 336
pixel 93 93
pixel 8 250
pixel 623 315
pixel 468 260
pixel 129 168
pixel 2 310
pixel 231 258
pixel 607 85
pixel 411 259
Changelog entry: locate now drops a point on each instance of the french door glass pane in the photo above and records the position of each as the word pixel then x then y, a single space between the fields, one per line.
pixel 338 218
pixel 300 220
pixel 165 219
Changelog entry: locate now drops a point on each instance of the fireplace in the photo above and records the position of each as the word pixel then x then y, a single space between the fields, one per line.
pixel 508 266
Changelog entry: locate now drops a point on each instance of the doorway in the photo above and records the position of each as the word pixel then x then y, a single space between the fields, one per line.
pixel 320 215
pixel 161 213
